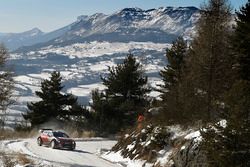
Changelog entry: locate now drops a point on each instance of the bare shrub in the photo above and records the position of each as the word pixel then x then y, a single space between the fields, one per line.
pixel 23 160
pixel 7 160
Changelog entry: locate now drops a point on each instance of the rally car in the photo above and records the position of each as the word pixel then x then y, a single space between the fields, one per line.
pixel 55 139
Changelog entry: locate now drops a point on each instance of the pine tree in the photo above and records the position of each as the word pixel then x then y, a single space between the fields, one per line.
pixel 173 71
pixel 238 124
pixel 126 80
pixel 53 104
pixel 6 83
pixel 172 76
pixel 209 58
pixel 125 96
pixel 232 141
pixel 106 118
pixel 241 41
pixel 229 145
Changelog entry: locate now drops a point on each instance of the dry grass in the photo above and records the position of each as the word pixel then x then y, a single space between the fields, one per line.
pixel 11 160
pixel 7 160
pixel 9 134
pixel 23 160
pixel 83 134
pixel 87 134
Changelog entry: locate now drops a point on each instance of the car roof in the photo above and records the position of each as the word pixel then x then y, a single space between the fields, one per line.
pixel 51 130
pixel 43 130
pixel 59 131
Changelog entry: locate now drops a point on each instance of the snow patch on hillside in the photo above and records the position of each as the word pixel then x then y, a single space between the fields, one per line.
pixel 96 49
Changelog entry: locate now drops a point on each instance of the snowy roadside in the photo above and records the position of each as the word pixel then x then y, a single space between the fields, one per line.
pixel 163 156
pixel 159 146
pixel 14 153
pixel 85 153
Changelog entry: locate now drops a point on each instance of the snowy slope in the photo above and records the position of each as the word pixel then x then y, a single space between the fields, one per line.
pixel 81 65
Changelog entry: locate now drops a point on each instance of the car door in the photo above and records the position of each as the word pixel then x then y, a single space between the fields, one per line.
pixel 45 137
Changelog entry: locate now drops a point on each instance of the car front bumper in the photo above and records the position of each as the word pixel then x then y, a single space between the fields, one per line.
pixel 69 145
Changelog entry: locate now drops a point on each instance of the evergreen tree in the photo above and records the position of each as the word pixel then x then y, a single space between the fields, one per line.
pixel 106 119
pixel 229 145
pixel 172 76
pixel 54 104
pixel 6 83
pixel 125 96
pixel 127 80
pixel 172 73
pixel 210 62
pixel 241 41
pixel 232 141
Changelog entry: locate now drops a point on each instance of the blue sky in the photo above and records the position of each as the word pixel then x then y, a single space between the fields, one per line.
pixel 48 15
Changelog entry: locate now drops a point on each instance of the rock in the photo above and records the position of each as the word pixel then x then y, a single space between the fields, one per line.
pixel 190 155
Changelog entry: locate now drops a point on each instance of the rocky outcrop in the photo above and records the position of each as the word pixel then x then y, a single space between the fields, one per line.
pixel 163 147
pixel 189 154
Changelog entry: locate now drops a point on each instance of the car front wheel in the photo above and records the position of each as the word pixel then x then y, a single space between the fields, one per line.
pixel 39 141
pixel 53 144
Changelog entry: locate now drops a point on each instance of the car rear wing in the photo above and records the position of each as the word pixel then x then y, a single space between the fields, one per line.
pixel 42 130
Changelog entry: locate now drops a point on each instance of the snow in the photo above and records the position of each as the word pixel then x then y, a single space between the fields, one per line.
pixel 85 90
pixel 126 136
pixel 164 157
pixel 84 155
pixel 131 146
pixel 183 147
pixel 223 123
pixel 96 49
pixel 194 135
pixel 117 158
pixel 148 142
pixel 18 146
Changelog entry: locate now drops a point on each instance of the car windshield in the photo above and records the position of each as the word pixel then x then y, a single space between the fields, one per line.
pixel 60 134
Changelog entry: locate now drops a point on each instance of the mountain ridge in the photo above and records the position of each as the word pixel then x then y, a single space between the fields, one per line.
pixel 160 25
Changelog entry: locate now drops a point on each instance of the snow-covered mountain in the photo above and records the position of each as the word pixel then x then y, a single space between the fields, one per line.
pixel 15 40
pixel 160 25
pixel 133 24
pixel 129 24
pixel 83 50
